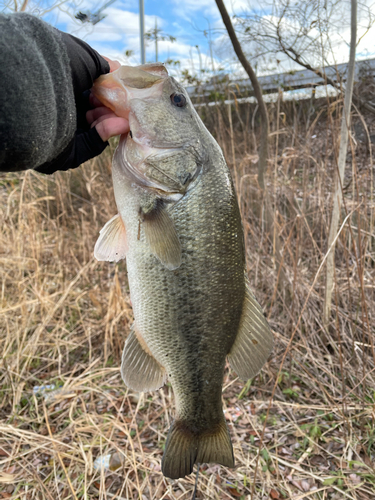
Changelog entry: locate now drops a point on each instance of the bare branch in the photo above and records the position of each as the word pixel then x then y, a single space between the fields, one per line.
pixel 24 5
pixel 263 150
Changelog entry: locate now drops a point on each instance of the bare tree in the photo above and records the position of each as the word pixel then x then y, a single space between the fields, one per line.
pixel 263 150
pixel 308 33
pixel 14 6
pixel 339 180
pixel 35 7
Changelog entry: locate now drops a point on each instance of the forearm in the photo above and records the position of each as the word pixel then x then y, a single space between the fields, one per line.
pixel 43 74
pixel 38 117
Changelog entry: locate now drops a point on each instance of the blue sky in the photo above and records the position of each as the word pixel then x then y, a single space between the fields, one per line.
pixel 192 22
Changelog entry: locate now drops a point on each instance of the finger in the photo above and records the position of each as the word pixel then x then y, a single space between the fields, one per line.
pixel 111 127
pixel 102 118
pixel 94 114
pixel 94 101
pixel 113 64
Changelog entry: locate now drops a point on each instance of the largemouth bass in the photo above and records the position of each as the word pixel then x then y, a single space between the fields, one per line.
pixel 179 227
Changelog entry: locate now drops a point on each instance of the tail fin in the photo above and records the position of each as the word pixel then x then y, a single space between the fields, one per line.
pixel 184 448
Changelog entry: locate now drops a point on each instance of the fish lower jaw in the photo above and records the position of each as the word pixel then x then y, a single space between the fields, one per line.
pixel 147 149
pixel 137 164
pixel 159 190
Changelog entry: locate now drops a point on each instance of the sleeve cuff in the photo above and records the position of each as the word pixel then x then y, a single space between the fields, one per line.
pixel 83 147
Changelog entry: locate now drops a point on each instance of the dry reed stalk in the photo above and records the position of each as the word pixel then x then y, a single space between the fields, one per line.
pixel 64 320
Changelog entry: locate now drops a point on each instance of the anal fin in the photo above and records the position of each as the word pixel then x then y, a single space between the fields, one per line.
pixel 139 369
pixel 254 340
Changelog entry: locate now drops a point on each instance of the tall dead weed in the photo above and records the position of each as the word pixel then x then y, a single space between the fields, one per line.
pixel 303 428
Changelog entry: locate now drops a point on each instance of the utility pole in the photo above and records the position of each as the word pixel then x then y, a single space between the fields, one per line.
pixel 142 30
pixel 156 39
pixel 157 34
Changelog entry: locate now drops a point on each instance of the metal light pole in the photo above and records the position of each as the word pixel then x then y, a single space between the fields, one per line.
pixel 142 30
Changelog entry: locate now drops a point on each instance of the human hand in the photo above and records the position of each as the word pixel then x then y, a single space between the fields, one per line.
pixel 113 64
pixel 106 122
pixel 94 126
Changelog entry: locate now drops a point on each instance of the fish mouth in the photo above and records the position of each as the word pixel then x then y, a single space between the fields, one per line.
pixel 116 90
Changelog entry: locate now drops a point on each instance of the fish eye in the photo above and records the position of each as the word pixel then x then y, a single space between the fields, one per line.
pixel 178 100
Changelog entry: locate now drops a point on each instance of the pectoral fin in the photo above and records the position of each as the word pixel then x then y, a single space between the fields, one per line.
pixel 162 237
pixel 111 245
pixel 254 340
pixel 139 369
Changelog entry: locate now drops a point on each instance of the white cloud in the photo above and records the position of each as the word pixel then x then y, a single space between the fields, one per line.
pixel 187 20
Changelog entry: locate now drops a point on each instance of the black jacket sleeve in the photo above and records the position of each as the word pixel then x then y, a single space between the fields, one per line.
pixel 86 65
pixel 43 75
pixel 83 146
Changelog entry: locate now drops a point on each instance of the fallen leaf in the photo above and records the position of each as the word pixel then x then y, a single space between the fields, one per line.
pixel 116 461
pixel 214 469
pixel 305 485
pixel 318 460
pixel 286 451
pixel 296 484
pixel 329 481
pixel 234 492
pixel 367 461
pixel 354 478
pixel 274 494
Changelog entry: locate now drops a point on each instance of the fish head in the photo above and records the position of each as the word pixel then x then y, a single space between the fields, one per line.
pixel 164 149
pixel 156 164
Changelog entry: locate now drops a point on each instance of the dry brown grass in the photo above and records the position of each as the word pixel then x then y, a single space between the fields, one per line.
pixel 304 428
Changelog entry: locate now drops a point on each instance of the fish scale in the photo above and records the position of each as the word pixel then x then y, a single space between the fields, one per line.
pixel 179 227
pixel 202 313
